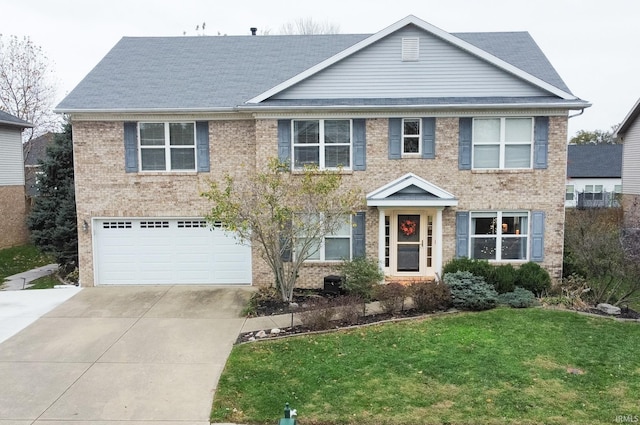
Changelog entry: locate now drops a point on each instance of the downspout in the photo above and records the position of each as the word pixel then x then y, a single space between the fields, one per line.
pixel 576 115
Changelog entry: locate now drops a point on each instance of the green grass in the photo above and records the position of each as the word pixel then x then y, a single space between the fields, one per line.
pixel 20 259
pixel 502 366
pixel 45 282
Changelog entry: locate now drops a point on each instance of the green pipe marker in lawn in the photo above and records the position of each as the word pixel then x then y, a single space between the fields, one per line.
pixel 289 416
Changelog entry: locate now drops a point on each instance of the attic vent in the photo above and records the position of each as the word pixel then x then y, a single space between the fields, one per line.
pixel 410 49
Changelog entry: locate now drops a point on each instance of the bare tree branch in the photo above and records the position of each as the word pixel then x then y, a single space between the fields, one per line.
pixel 26 87
pixel 308 26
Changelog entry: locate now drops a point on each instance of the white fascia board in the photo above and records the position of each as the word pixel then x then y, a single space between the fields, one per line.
pixel 412 203
pixel 405 181
pixel 476 51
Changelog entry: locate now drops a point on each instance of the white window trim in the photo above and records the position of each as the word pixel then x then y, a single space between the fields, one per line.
pixel 167 147
pixel 502 144
pixel 321 144
pixel 572 192
pixel 419 136
pixel 498 236
pixel 321 248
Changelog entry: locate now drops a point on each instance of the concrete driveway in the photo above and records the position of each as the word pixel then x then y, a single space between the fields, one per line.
pixel 135 355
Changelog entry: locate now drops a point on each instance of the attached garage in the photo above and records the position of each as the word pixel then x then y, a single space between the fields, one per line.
pixel 167 251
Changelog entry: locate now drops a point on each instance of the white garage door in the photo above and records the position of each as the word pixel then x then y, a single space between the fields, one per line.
pixel 167 251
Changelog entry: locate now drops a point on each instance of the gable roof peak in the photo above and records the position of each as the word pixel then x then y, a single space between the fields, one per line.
pixel 432 29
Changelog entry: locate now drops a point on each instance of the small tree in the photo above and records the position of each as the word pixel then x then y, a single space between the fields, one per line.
pixel 282 214
pixel 52 220
pixel 26 87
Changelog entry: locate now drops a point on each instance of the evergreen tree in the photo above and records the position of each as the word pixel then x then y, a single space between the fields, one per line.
pixel 52 220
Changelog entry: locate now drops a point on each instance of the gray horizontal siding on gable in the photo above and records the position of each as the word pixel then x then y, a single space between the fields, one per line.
pixel 631 160
pixel 11 162
pixel 442 71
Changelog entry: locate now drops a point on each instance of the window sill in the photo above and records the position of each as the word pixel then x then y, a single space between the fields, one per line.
pixel 411 156
pixel 166 173
pixel 332 170
pixel 500 171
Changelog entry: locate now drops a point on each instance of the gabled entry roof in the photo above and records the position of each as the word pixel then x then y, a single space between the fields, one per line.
pixel 410 191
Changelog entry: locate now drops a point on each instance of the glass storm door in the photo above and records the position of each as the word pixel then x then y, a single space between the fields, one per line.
pixel 409 243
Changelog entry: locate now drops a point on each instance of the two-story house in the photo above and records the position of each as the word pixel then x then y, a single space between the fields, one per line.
pixel 594 175
pixel 13 206
pixel 457 140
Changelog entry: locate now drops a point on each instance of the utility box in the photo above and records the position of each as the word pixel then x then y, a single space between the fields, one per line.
pixel 333 285
pixel 289 416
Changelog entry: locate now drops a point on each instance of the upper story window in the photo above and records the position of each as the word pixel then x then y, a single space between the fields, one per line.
pixel 411 131
pixel 502 143
pixel 167 146
pixel 499 235
pixel 325 143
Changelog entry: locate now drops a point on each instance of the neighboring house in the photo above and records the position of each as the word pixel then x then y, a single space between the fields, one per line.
pixel 35 151
pixel 594 175
pixel 460 138
pixel 629 133
pixel 13 206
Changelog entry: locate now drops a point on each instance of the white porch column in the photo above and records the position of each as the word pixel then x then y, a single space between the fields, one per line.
pixel 437 238
pixel 381 246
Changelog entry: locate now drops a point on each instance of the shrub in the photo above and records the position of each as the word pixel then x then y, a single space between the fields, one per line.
pixel 504 278
pixel 430 296
pixel 518 298
pixel 469 292
pixel 317 314
pixel 360 276
pixel 349 308
pixel 534 278
pixel 476 267
pixel 391 296
pixel 264 294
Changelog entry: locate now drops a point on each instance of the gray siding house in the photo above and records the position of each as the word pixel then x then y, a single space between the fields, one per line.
pixel 629 133
pixel 594 176
pixel 13 206
pixel 457 140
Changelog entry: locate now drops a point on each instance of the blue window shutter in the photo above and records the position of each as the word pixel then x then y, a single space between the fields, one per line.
pixel 202 143
pixel 462 234
pixel 131 147
pixel 395 138
pixel 540 142
pixel 537 236
pixel 358 235
pixel 284 140
pixel 359 145
pixel 464 143
pixel 429 138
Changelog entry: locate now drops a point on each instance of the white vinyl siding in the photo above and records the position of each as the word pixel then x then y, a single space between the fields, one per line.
pixel 631 160
pixel 11 160
pixel 442 70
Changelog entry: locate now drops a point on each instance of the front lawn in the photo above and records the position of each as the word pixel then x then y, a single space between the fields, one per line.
pixel 501 366
pixel 20 259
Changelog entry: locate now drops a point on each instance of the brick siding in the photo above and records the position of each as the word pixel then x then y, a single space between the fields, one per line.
pixel 13 210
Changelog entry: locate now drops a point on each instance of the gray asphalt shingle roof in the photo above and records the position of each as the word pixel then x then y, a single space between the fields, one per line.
pixel 597 161
pixel 8 119
pixel 210 72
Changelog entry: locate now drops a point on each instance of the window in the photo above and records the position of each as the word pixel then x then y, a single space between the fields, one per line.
pixel 411 135
pixel 324 143
pixel 499 235
pixel 570 192
pixel 617 188
pixel 167 146
pixel 502 143
pixel 593 192
pixel 335 246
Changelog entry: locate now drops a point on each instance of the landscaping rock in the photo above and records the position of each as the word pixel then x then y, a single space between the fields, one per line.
pixel 294 305
pixel 275 331
pixel 261 334
pixel 608 308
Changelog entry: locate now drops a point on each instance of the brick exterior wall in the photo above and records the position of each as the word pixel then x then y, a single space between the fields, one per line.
pixel 103 189
pixel 13 210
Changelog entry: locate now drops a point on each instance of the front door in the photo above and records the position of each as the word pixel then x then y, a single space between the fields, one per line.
pixel 410 243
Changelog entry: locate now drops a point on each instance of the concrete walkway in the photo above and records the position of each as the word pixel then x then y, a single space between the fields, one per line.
pixel 21 281
pixel 122 355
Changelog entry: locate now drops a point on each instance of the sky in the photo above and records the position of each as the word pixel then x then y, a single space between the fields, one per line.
pixel 593 44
